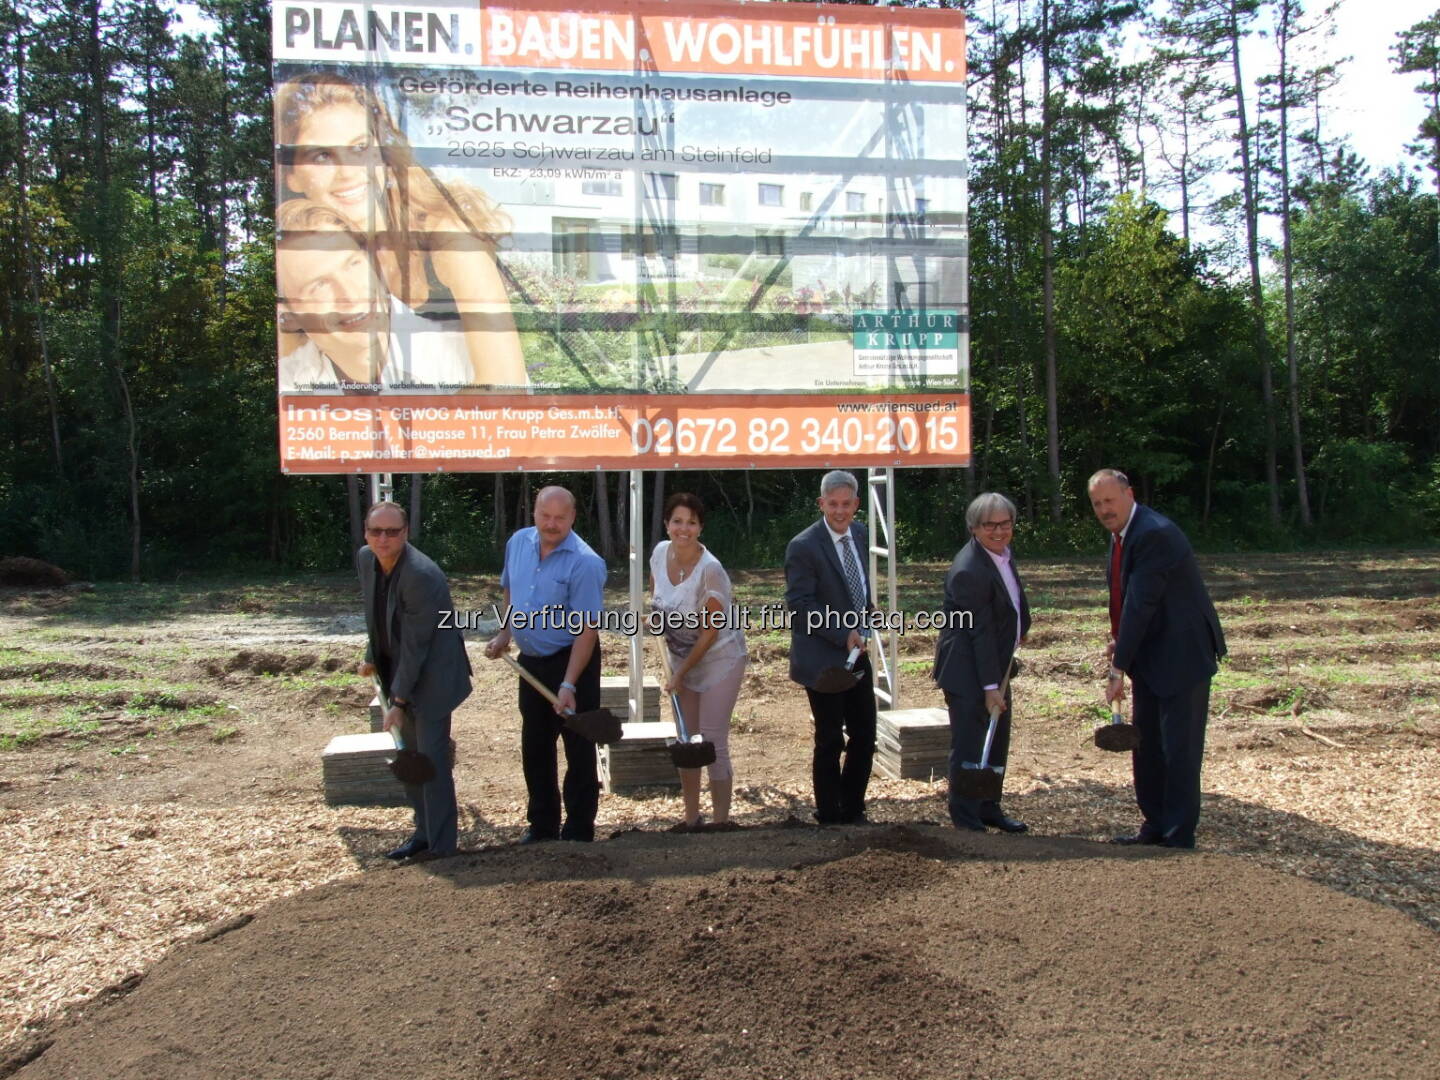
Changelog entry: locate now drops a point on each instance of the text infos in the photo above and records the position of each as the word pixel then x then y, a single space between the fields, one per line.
pixel 422 434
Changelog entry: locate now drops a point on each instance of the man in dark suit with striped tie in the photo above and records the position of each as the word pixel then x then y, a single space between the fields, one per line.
pixel 1165 635
pixel 828 604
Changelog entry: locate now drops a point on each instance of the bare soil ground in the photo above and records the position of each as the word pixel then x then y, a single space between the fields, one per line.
pixel 177 900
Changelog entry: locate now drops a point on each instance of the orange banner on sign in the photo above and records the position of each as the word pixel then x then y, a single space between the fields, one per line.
pixel 365 433
pixel 798 41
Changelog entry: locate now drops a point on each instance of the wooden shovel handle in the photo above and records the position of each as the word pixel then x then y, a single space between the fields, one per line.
pixel 540 687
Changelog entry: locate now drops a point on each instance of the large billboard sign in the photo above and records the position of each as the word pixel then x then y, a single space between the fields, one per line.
pixel 639 236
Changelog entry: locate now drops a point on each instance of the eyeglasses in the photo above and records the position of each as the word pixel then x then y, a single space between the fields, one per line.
pixel 376 530
pixel 998 526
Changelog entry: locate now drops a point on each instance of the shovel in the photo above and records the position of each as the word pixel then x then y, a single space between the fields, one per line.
pixel 1117 736
pixel 408 766
pixel 598 725
pixel 686 751
pixel 980 781
pixel 836 680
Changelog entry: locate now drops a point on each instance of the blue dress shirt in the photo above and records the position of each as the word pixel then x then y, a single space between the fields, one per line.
pixel 570 579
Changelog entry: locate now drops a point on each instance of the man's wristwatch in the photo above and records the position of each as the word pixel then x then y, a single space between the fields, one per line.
pixel 1115 673
pixel 567 685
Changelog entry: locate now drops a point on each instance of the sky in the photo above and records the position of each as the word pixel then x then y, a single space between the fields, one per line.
pixel 1379 109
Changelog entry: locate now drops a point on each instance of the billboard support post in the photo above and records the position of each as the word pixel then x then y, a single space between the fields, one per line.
pixel 382 488
pixel 880 521
pixel 637 594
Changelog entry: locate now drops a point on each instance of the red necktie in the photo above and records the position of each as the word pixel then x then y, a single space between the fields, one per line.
pixel 1117 594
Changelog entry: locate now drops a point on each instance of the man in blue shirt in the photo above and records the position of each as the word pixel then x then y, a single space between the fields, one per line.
pixel 554 588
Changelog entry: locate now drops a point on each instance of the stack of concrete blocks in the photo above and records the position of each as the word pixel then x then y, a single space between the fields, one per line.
pixel 640 758
pixel 356 773
pixel 913 744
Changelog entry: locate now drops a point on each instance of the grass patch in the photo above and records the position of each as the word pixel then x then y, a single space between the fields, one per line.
pixel 21 728
pixel 331 680
pixel 25 727
pixel 195 716
pixel 1227 679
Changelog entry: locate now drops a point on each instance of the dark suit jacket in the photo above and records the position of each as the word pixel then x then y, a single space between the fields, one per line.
pixel 1170 636
pixel 969 658
pixel 815 583
pixel 431 670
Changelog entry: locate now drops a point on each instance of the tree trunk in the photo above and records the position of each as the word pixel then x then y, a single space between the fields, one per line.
pixel 1291 360
pixel 225 139
pixel 1210 465
pixel 602 517
pixel 657 509
pixel 749 506
pixel 107 229
pixel 622 512
pixel 1252 242
pixel 357 511
pixel 32 268
pixel 1052 406
pixel 523 509
pixel 501 533
pixel 417 482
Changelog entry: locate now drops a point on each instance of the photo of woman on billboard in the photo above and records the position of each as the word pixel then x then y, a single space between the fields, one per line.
pixel 429 244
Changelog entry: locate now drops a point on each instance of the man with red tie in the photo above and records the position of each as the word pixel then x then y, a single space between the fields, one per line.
pixel 1165 636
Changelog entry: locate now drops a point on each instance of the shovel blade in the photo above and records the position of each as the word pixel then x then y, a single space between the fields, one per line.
pixel 975 783
pixel 694 755
pixel 412 767
pixel 598 725
pixel 835 680
pixel 1117 738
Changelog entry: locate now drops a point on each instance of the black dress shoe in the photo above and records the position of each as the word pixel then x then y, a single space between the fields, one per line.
pixel 1005 823
pixel 532 837
pixel 408 850
pixel 855 819
pixel 1139 838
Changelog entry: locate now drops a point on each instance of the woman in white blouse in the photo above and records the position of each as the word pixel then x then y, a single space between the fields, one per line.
pixel 707 648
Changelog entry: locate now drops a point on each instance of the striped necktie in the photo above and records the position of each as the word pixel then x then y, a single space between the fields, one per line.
pixel 852 573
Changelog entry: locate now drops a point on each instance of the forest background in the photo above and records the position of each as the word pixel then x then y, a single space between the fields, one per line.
pixel 1178 267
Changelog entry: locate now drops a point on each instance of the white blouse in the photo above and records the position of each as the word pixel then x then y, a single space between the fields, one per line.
pixel 706 581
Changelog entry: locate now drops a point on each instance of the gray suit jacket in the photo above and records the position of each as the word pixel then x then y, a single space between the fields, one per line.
pixel 814 586
pixel 431 670
pixel 969 658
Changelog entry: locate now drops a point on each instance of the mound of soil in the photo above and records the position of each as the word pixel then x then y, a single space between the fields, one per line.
pixel 20 572
pixel 801 952
pixel 269 662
